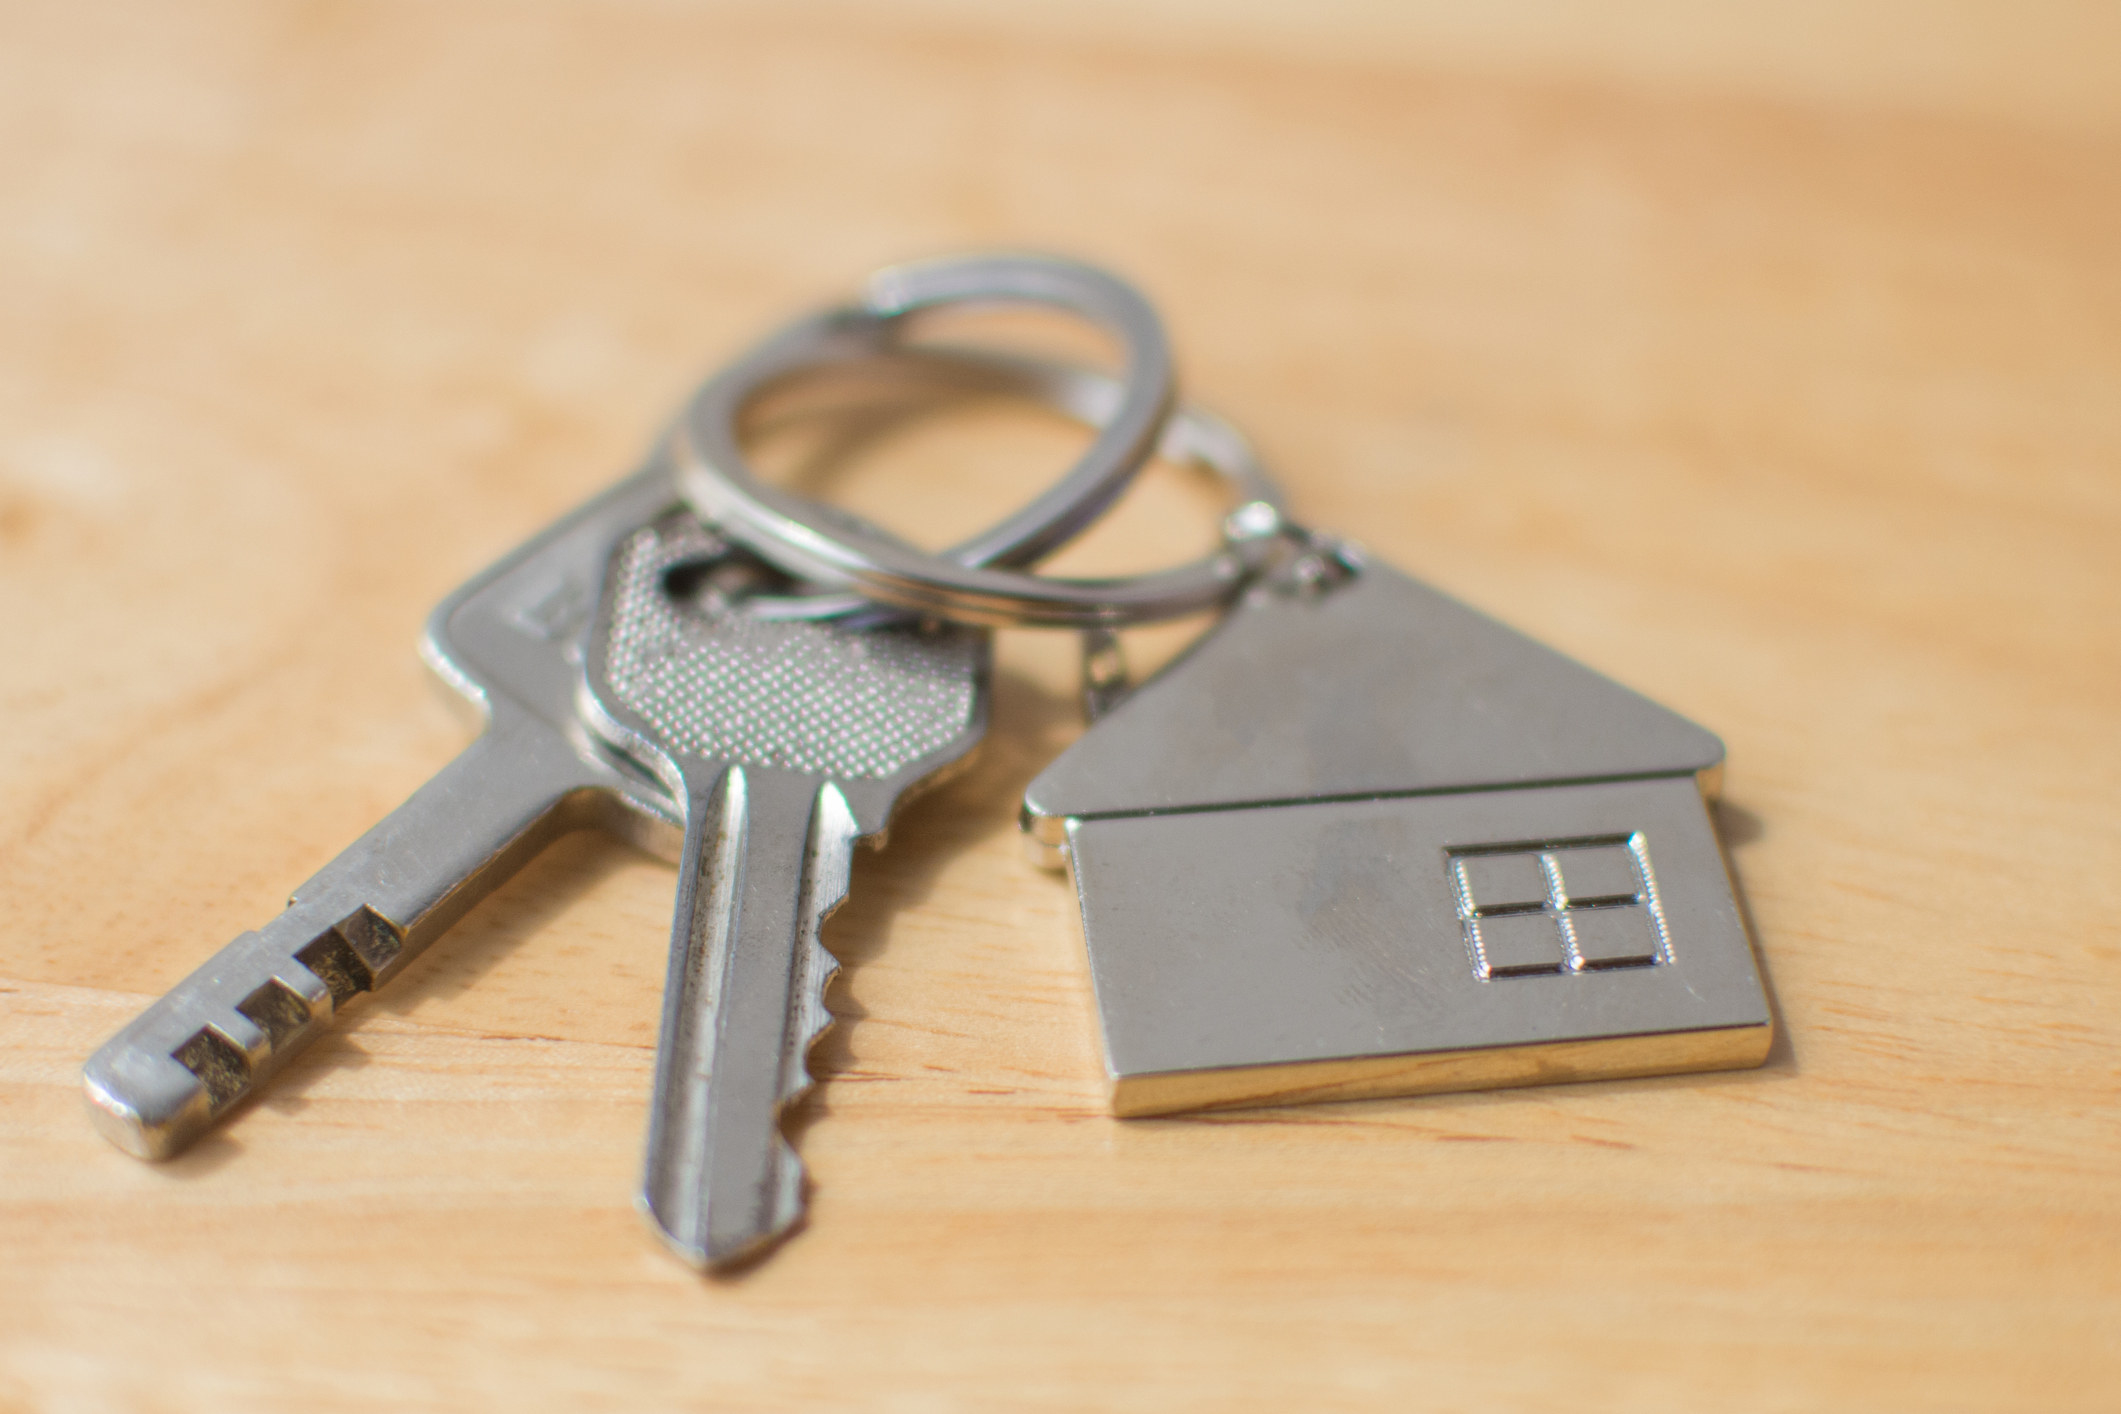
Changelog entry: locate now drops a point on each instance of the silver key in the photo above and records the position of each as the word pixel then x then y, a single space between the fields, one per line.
pixel 510 641
pixel 788 743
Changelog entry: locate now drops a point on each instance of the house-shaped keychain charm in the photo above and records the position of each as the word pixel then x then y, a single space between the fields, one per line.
pixel 1363 840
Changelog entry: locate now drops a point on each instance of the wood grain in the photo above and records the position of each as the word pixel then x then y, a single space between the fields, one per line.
pixel 1794 401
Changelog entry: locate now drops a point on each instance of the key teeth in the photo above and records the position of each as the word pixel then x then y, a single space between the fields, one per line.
pixel 200 1051
pixel 713 1253
pixel 787 1204
pixel 817 1020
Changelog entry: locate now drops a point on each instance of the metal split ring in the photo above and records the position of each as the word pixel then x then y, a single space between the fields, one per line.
pixel 964 582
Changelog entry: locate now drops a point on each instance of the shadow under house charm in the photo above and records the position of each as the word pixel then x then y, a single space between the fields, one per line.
pixel 1363 840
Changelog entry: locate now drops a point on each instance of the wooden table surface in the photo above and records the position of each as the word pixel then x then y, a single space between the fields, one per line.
pixel 1769 362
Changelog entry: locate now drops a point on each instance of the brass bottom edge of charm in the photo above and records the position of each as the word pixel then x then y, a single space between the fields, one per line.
pixel 1488 1068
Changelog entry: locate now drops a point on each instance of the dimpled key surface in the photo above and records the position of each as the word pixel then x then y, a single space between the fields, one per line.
pixel 788 741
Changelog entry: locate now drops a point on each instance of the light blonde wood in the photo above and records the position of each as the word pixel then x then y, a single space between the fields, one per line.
pixel 1794 402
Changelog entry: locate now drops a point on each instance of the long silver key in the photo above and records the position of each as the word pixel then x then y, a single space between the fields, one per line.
pixel 788 742
pixel 511 642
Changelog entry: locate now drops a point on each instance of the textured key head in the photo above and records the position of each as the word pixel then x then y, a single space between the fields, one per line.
pixel 697 680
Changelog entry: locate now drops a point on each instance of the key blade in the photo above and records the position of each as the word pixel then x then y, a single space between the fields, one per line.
pixel 509 641
pixel 743 1003
pixel 193 1055
pixel 788 741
